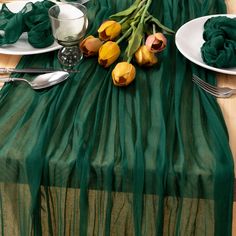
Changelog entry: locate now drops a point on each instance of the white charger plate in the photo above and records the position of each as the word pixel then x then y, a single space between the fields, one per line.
pixel 189 40
pixel 22 46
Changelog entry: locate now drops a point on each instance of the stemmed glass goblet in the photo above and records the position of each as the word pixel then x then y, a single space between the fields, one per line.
pixel 69 24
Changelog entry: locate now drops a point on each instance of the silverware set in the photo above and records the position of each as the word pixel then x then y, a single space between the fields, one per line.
pixel 219 92
pixel 42 80
pixel 50 77
pixel 46 77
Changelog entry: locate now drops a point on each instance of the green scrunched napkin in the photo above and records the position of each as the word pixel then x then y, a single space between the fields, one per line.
pixel 219 49
pixel 33 19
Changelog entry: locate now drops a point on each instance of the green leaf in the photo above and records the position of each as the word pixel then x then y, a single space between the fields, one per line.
pixel 159 24
pixel 132 19
pixel 126 25
pixel 135 40
pixel 127 11
pixel 139 13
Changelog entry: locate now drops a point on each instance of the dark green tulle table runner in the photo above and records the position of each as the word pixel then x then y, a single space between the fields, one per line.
pixel 88 158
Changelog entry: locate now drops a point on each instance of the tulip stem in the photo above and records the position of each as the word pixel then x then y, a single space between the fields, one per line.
pixel 145 11
pixel 143 40
pixel 141 4
pixel 153 28
pixel 129 59
pixel 139 9
pixel 123 20
pixel 124 35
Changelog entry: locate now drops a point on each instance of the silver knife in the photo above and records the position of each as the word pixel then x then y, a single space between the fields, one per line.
pixel 33 70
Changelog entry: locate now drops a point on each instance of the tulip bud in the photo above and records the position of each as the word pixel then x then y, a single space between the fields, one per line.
pixel 144 57
pixel 90 46
pixel 108 53
pixel 156 42
pixel 123 74
pixel 109 30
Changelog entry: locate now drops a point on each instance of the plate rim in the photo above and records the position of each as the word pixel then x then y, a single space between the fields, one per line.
pixel 197 62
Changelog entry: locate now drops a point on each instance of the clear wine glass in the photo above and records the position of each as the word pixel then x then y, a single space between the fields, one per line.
pixel 69 24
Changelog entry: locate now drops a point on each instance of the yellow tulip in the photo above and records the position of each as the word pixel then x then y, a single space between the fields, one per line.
pixel 90 46
pixel 144 57
pixel 109 30
pixel 108 53
pixel 156 42
pixel 123 74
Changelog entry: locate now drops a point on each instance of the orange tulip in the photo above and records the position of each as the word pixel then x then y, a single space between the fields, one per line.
pixel 123 74
pixel 108 53
pixel 144 57
pixel 109 30
pixel 90 46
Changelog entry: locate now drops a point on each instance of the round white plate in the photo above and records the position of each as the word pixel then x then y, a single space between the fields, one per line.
pixel 22 47
pixel 189 39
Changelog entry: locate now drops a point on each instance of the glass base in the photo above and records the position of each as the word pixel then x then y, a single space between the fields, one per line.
pixel 69 56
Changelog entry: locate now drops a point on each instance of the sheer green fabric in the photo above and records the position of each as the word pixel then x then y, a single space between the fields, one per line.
pixel 33 19
pixel 219 49
pixel 88 158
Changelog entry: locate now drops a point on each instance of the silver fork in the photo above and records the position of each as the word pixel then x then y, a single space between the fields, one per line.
pixel 219 92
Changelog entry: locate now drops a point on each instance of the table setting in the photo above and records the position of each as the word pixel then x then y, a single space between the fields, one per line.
pixel 113 121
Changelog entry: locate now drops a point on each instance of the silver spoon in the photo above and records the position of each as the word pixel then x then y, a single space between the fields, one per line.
pixel 43 80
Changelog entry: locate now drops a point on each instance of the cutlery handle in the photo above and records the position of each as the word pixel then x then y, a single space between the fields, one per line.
pixel 33 70
pixel 5 80
pixel 5 70
pixel 26 70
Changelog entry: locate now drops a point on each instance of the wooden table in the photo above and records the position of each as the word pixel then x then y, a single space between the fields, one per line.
pixel 228 106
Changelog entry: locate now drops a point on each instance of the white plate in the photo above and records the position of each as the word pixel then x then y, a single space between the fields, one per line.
pixel 22 47
pixel 189 39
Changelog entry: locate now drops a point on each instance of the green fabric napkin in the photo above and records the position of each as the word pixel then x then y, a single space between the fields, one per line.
pixel 219 49
pixel 33 19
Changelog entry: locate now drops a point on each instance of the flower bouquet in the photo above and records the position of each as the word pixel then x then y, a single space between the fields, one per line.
pixel 144 36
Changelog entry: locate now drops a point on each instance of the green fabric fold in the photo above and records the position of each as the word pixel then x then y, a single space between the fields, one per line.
pixel 219 48
pixel 33 19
